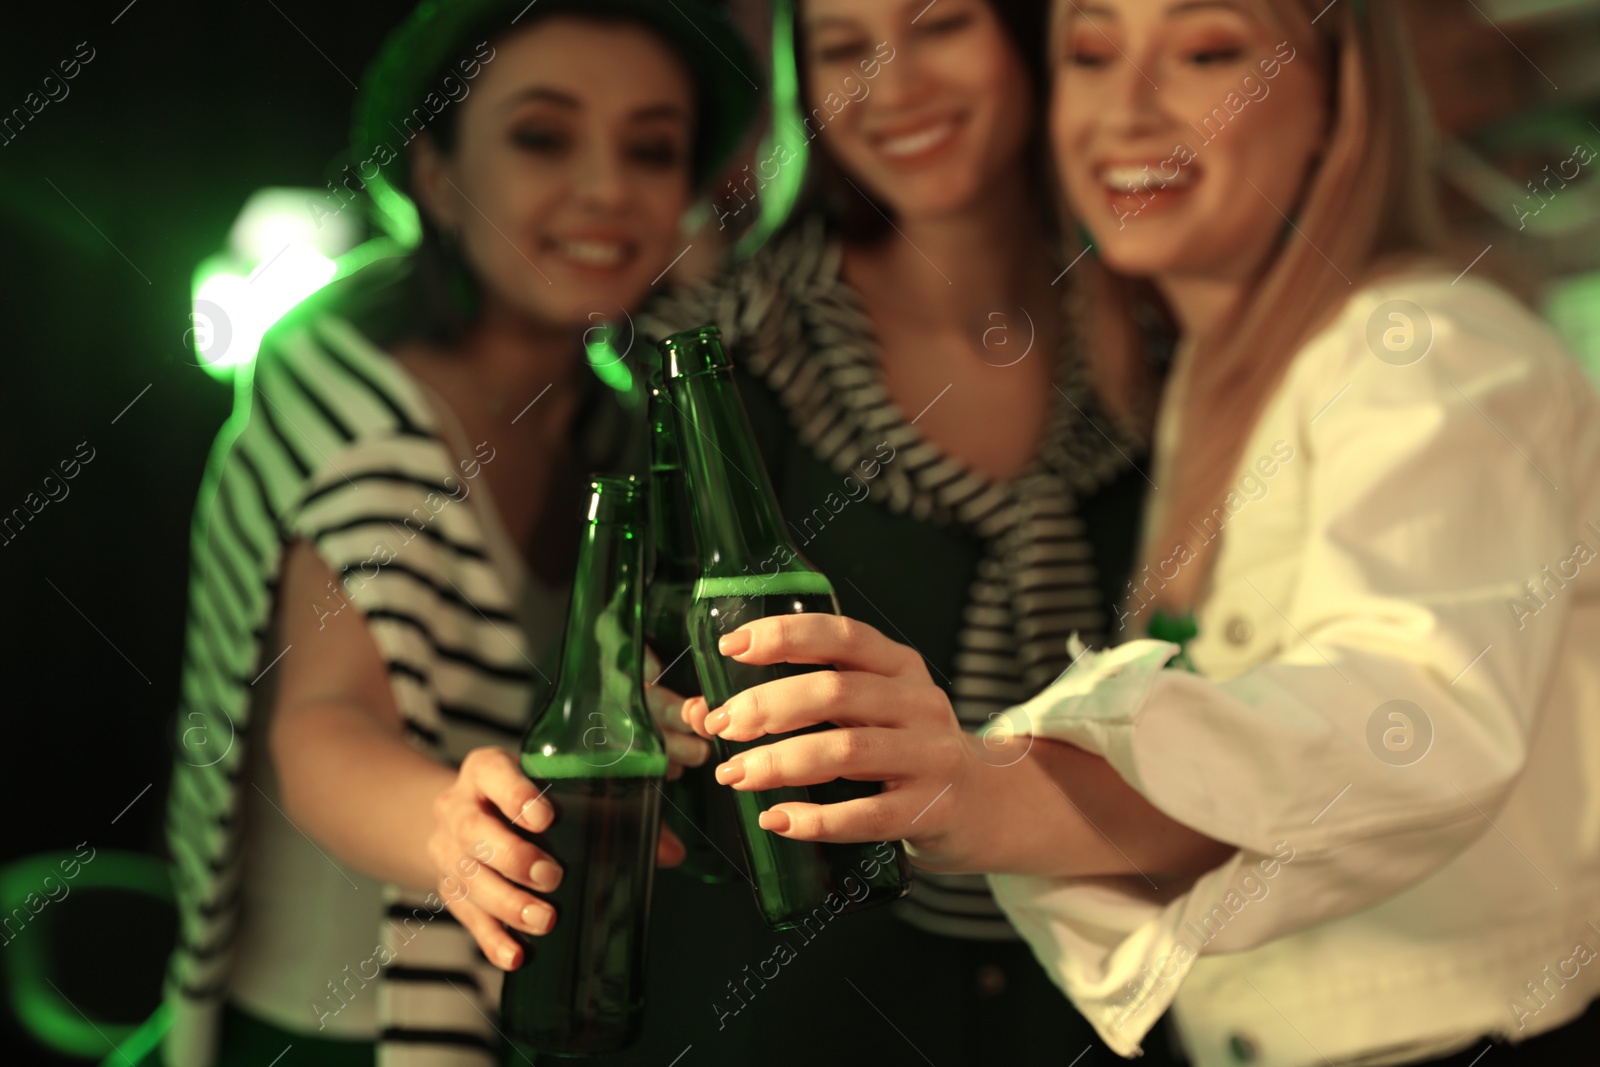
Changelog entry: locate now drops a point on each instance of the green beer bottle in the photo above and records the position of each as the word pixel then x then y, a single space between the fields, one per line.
pixel 749 569
pixel 595 752
pixel 697 809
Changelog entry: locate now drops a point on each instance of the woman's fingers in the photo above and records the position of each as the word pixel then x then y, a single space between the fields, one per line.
pixel 818 638
pixel 669 849
pixel 853 698
pixel 885 817
pixel 510 903
pixel 519 859
pixel 494 775
pixel 666 708
pixel 684 747
pixel 869 754
pixel 694 712
pixel 689 751
pixel 500 947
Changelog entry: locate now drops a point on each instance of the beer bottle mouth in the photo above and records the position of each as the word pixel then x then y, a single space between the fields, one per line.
pixel 692 352
pixel 615 498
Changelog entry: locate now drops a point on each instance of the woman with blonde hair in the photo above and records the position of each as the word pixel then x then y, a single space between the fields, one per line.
pixel 1358 829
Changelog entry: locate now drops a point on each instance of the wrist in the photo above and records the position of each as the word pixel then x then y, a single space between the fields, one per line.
pixel 958 841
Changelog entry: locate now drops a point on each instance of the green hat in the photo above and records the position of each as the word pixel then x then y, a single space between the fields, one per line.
pixel 440 34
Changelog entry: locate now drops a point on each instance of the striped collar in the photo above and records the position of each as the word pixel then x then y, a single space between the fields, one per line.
pixel 802 328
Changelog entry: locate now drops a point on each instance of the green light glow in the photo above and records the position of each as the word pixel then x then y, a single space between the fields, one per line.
pixel 396 213
pixel 137 1045
pixel 232 312
pixel 778 194
pixel 607 363
pixel 1572 306
pixel 44 1013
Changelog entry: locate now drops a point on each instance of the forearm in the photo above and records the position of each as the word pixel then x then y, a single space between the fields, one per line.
pixel 1060 811
pixel 354 786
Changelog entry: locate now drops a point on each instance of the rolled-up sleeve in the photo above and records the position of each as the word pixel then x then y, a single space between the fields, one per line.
pixel 1388 725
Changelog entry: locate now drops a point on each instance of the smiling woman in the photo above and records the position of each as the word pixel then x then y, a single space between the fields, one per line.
pixel 1357 698
pixel 887 319
pixel 370 791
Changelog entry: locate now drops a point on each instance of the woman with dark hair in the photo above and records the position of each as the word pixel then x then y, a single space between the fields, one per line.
pixel 387 528
pixel 939 454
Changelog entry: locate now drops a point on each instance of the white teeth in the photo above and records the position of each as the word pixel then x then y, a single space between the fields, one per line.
pixel 1129 179
pixel 912 143
pixel 593 253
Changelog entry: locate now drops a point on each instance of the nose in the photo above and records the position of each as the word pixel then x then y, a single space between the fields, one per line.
pixel 1132 101
pixel 601 178
pixel 901 81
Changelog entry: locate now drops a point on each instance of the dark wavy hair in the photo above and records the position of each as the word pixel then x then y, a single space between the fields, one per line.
pixel 859 218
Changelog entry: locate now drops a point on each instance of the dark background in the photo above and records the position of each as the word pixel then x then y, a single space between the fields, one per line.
pixel 109 198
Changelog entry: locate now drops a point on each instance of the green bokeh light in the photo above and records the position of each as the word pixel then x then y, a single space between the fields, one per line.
pixel 779 193
pixel 43 1011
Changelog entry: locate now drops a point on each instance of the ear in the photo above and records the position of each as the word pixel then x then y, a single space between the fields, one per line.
pixel 431 174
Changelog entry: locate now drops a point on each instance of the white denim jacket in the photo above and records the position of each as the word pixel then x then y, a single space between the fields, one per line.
pixel 1396 715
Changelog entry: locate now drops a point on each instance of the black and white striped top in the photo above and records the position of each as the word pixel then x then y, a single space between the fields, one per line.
pixel 789 317
pixel 333 444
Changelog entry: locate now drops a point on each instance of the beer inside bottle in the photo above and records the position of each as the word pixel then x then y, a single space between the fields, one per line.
pixel 749 569
pixel 595 753
pixel 696 807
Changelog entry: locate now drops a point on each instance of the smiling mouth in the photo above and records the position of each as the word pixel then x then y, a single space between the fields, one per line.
pixel 1134 188
pixel 1125 178
pixel 593 254
pixel 914 145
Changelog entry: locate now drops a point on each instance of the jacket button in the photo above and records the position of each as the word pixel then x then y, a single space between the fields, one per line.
pixel 1242 1048
pixel 1238 630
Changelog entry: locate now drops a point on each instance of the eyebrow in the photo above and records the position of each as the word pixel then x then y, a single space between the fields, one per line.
pixel 1183 7
pixel 826 22
pixel 1186 6
pixel 545 94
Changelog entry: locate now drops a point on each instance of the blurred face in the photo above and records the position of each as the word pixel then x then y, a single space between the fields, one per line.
pixel 571 169
pixel 924 105
pixel 1181 129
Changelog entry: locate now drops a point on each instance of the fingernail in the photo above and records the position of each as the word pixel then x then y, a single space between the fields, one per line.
pixel 734 643
pixel 675 719
pixel 716 721
pixel 544 875
pixel 536 919
pixel 508 956
pixel 522 818
pixel 776 821
pixel 731 773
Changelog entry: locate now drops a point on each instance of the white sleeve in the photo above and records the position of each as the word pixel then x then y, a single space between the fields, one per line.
pixel 1431 501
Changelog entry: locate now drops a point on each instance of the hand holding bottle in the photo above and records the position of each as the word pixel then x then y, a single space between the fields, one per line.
pixel 484 868
pixel 998 801
pixel 895 726
pixel 685 748
pixel 482 864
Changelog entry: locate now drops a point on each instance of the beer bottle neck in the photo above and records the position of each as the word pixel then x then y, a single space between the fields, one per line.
pixel 602 633
pixel 595 724
pixel 737 524
pixel 671 534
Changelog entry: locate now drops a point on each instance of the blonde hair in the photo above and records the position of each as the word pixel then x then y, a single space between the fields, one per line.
pixel 1367 206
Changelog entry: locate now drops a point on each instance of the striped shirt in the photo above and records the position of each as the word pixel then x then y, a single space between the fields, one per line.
pixel 331 443
pixel 791 320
